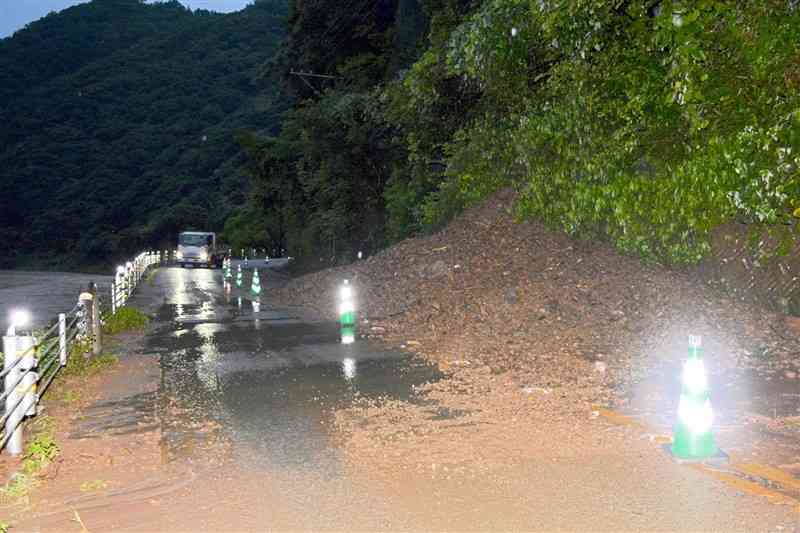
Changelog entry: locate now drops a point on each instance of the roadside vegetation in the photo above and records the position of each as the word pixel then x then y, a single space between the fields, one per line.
pixel 40 451
pixel 125 319
pixel 330 127
pixel 647 124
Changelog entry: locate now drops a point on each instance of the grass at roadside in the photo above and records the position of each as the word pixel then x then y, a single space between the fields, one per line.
pixel 39 452
pixel 125 319
pixel 79 365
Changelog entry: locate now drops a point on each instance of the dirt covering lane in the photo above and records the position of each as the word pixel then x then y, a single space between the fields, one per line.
pixel 531 330
pixel 517 314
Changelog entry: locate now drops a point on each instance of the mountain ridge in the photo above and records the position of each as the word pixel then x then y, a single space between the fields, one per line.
pixel 124 149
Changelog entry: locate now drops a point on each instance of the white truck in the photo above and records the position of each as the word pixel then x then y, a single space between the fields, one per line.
pixel 198 248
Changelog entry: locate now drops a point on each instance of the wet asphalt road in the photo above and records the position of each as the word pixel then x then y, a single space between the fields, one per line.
pixel 269 377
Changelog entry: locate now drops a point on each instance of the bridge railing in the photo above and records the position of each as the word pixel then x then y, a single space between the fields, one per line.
pixel 32 361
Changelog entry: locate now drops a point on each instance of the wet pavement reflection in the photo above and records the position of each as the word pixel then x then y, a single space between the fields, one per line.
pixel 260 377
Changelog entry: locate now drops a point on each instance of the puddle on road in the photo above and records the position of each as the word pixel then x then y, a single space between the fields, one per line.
pixel 269 381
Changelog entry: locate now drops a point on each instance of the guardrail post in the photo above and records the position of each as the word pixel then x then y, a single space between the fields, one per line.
pixel 13 347
pixel 119 288
pixel 129 280
pixel 62 338
pixel 86 299
pixel 97 331
pixel 29 364
pixel 113 298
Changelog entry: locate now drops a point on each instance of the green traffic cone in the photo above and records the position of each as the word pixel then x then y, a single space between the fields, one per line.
pixel 239 276
pixel 255 284
pixel 347 314
pixel 693 439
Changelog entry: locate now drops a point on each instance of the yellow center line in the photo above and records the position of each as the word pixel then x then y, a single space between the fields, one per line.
pixel 618 418
pixel 748 487
pixel 775 475
pixel 784 479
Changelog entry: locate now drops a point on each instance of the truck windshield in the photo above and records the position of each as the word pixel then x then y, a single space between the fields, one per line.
pixel 194 240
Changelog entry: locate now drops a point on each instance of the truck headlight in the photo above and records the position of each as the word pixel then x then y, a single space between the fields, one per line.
pixel 203 256
pixel 179 254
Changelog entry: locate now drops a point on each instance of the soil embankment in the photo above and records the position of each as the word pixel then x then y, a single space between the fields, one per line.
pixel 529 322
pixel 532 331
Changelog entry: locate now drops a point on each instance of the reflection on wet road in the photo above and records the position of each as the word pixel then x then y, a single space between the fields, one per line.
pixel 260 377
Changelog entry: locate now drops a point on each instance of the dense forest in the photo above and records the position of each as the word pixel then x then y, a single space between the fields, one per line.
pixel 333 126
pixel 118 124
pixel 647 123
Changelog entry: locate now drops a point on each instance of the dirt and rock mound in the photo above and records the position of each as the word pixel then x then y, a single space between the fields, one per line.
pixel 534 329
pixel 552 310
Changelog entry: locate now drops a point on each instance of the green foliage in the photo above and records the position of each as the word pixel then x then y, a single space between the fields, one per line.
pixel 427 108
pixel 647 125
pixel 125 319
pixel 118 121
pixel 79 364
pixel 38 454
pixel 317 188
pixel 71 396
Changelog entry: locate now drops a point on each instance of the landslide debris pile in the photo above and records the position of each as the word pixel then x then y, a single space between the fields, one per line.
pixel 491 293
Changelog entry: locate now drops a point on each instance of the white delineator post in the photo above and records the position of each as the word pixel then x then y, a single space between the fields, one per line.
pixel 15 347
pixel 62 335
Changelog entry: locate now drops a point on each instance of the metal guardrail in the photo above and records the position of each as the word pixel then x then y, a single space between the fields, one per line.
pixel 129 275
pixel 31 362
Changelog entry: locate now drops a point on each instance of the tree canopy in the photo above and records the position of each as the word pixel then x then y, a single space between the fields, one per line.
pixel 646 123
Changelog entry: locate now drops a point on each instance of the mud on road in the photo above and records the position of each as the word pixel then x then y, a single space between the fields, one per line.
pixel 521 337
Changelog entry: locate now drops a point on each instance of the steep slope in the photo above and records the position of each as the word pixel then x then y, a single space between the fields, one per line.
pixel 123 148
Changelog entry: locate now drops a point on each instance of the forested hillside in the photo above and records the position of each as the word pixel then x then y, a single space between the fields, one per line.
pixel 325 127
pixel 118 124
pixel 647 123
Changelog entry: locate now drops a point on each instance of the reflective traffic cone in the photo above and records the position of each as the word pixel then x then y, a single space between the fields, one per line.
pixel 693 439
pixel 347 313
pixel 239 275
pixel 255 284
